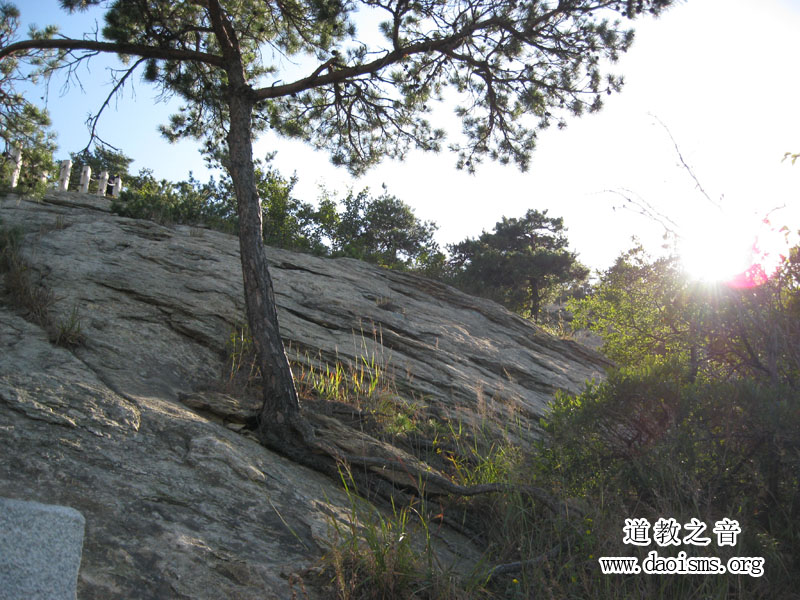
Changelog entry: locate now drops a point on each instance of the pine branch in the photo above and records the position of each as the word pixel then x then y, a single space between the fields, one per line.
pixel 70 44
pixel 96 118
pixel 314 80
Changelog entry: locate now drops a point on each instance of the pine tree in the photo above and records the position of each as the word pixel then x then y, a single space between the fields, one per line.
pixel 23 126
pixel 519 263
pixel 516 66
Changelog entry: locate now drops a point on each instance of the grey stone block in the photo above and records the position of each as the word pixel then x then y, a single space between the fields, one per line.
pixel 40 550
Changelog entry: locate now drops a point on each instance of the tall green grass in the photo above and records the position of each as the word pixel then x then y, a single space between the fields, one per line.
pixel 648 442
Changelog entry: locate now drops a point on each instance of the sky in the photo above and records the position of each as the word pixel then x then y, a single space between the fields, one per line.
pixel 711 84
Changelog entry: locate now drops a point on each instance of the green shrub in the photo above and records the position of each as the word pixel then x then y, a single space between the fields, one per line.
pixel 188 202
pixel 650 442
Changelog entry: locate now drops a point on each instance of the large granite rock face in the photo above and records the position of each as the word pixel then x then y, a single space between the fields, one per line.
pixel 177 505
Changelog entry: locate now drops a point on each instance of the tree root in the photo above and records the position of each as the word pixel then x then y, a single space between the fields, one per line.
pixel 517 566
pixel 379 470
pixel 326 444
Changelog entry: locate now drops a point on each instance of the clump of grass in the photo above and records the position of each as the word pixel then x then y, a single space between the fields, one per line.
pixel 358 384
pixel 366 385
pixel 383 556
pixel 68 332
pixel 388 304
pixel 58 225
pixel 472 465
pixel 34 299
pixel 19 287
pixel 242 373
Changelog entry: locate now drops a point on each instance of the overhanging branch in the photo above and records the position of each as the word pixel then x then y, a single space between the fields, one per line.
pixel 94 120
pixel 316 79
pixel 113 48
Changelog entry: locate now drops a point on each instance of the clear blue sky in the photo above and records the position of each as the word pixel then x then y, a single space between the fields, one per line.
pixel 721 74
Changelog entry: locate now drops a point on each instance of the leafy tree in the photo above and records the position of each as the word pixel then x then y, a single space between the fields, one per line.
pixel 646 309
pixel 22 125
pixel 146 197
pixel 382 230
pixel 101 158
pixel 518 67
pixel 288 222
pixel 519 263
pixel 639 308
pixel 36 144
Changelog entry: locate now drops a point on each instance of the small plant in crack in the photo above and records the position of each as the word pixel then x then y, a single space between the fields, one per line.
pixel 68 333
pixel 241 365
pixel 20 289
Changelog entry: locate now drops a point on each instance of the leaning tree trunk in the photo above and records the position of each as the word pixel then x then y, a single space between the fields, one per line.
pixel 280 415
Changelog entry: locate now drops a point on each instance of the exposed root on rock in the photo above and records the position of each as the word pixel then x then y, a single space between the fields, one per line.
pixel 326 444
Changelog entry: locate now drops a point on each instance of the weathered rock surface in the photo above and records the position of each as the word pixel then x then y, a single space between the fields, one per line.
pixel 40 550
pixel 176 504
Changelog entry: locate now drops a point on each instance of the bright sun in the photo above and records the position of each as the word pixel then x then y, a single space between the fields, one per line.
pixel 722 250
pixel 716 252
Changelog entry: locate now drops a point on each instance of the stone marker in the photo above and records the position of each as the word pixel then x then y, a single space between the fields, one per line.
pixel 40 550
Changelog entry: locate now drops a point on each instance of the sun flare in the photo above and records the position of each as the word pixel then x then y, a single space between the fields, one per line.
pixel 716 252
pixel 740 252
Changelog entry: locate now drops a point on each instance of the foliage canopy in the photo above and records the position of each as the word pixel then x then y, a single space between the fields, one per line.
pixel 519 263
pixel 647 308
pixel 380 229
pixel 23 125
pixel 517 67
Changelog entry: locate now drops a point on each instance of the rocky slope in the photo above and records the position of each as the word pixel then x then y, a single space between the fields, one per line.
pixel 177 504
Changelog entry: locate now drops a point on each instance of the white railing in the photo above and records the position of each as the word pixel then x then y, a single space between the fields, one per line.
pixel 16 156
pixel 63 177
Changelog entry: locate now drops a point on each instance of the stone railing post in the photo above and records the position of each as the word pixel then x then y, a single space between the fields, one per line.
pixel 117 187
pixel 16 156
pixel 86 177
pixel 102 183
pixel 63 178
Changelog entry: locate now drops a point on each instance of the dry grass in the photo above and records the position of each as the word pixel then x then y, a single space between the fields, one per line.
pixel 33 299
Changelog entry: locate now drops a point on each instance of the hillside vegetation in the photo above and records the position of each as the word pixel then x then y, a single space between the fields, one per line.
pixel 698 421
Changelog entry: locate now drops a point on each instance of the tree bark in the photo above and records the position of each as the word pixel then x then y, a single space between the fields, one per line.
pixel 535 300
pixel 281 405
pixel 281 425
